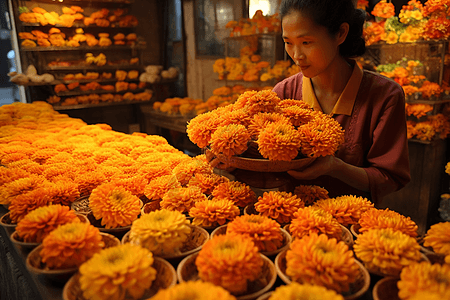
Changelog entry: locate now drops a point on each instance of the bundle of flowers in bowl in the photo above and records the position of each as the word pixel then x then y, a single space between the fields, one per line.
pixel 386 251
pixel 295 290
pixel 37 224
pixel 346 209
pixel 384 218
pixel 240 193
pixel 310 193
pixel 265 232
pixel 212 213
pixel 279 206
pixel 182 199
pixel 194 290
pixel 438 239
pixel 260 125
pixel 232 262
pixel 316 259
pixel 424 277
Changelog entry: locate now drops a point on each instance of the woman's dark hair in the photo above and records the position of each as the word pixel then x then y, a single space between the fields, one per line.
pixel 331 14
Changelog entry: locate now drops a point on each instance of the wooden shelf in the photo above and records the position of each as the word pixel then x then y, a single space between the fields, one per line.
pixel 80 92
pixel 93 67
pixel 103 104
pixel 83 48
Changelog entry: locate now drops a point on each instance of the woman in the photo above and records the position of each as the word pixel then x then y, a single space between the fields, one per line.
pixel 321 36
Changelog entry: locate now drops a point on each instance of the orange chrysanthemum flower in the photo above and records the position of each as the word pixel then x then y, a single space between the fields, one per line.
pixel 295 290
pixel 162 232
pixel 213 212
pixel 182 199
pixel 386 251
pixel 424 278
pixel 200 128
pixel 297 115
pixel 318 260
pixel 229 262
pixel 261 120
pixel 230 140
pixel 207 182
pixel 279 206
pixel 438 238
pixel 238 192
pixel 264 232
pixel 123 147
pixel 64 191
pixel 279 141
pixel 156 188
pixel 194 290
pixel 153 170
pixel 310 193
pixel 291 102
pixel 134 184
pixel 321 137
pixel 22 204
pixel 120 272
pixel 11 174
pixel 312 219
pixel 378 218
pixel 186 169
pixel 346 209
pixel 262 101
pixel 37 224
pixel 70 245
pixel 87 181
pixel 21 186
pixel 41 156
pixel 114 205
pixel 236 116
pixel 59 169
pixel 28 165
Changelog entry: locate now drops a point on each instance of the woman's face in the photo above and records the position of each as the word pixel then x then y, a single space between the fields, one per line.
pixel 310 45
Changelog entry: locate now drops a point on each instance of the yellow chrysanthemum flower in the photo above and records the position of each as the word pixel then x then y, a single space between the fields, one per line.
pixel 316 259
pixel 194 290
pixel 240 193
pixel 70 245
pixel 213 212
pixel 424 277
pixel 295 291
pixel 279 206
pixel 117 272
pixel 114 205
pixel 182 199
pixel 230 262
pixel 386 251
pixel 438 238
pixel 314 220
pixel 207 182
pixel 37 224
pixel 379 218
pixel 162 232
pixel 157 187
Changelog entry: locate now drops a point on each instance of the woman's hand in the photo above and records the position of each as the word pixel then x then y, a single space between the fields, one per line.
pixel 324 165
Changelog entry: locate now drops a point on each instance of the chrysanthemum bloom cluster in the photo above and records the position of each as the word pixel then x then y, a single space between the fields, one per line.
pixel 314 220
pixel 264 232
pixel 70 245
pixel 346 209
pixel 207 182
pixel 20 186
pixel 424 277
pixel 238 192
pixel 194 290
pixel 21 205
pixel 279 141
pixel 114 205
pixel 310 193
pixel 318 260
pixel 182 199
pixel 384 10
pixel 117 272
pixel 386 251
pixel 294 291
pixel 261 120
pixel 379 218
pixel 279 206
pixel 156 188
pixel 213 212
pixel 255 102
pixel 230 262
pixel 37 224
pixel 438 238
pixel 162 232
pixel 230 140
pixel 185 170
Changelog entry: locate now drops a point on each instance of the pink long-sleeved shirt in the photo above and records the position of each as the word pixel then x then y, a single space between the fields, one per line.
pixel 371 110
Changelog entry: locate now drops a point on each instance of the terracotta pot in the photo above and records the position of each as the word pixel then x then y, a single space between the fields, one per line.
pixel 386 289
pixel 6 222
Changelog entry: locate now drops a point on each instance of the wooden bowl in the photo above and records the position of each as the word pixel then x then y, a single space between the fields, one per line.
pixel 376 271
pixel 6 222
pixel 263 165
pixel 187 270
pixel 357 288
pixel 34 261
pixel 250 210
pixel 386 289
pixel 194 243
pixel 265 296
pixel 221 230
pixel 150 206
pixel 166 277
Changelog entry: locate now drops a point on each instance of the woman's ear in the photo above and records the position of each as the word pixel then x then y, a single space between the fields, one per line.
pixel 342 33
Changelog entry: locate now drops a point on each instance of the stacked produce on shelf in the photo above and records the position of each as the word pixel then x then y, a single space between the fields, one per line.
pixel 30 75
pixel 416 21
pixel 156 73
pixel 257 24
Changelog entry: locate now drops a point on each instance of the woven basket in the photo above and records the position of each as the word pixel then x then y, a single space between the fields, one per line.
pixel 357 288
pixel 345 237
pixel 265 296
pixel 250 210
pixel 16 239
pixel 187 270
pixel 165 278
pixel 81 205
pixel 6 222
pixel 194 243
pixel 286 240
pixel 34 261
pixel 386 289
pixel 150 206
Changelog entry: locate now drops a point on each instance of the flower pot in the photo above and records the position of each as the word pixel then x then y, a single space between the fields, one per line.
pixel 6 222
pixel 376 271
pixel 81 205
pixel 386 289
pixel 187 270
pixel 286 240
pixel 265 296
pixel 166 277
pixel 345 237
pixel 357 288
